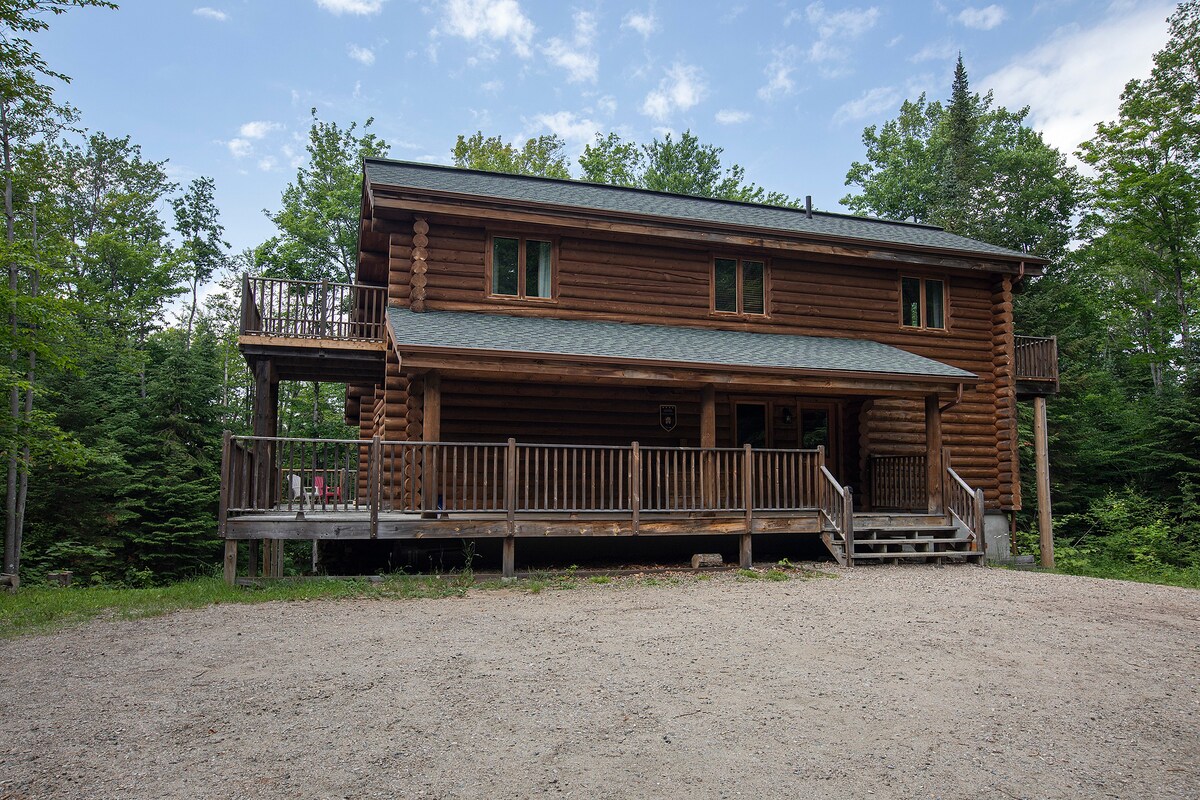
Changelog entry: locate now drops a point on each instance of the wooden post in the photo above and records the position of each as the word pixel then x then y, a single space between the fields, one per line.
pixel 509 559
pixel 509 556
pixel 933 452
pixel 1042 456
pixel 266 416
pixel 252 548
pixel 231 555
pixel 324 308
pixel 635 484
pixel 745 558
pixel 226 475
pixel 708 441
pixel 375 481
pixel 431 431
pixel 848 524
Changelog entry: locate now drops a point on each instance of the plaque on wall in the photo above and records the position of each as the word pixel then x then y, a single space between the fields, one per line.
pixel 667 417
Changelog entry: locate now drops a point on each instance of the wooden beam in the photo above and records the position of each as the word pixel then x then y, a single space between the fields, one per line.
pixel 708 439
pixel 1042 466
pixel 933 454
pixel 509 558
pixel 231 558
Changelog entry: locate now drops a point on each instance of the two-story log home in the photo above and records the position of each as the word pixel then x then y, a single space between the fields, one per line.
pixel 529 357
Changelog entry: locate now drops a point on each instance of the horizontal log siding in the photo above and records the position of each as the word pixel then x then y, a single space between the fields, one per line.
pixel 636 282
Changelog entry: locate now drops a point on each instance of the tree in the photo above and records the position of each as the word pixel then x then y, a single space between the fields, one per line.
pixel 319 215
pixel 201 249
pixel 1143 230
pixel 26 109
pixel 542 155
pixel 971 168
pixel 612 160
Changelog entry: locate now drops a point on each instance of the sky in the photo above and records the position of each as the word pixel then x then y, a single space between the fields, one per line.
pixel 224 88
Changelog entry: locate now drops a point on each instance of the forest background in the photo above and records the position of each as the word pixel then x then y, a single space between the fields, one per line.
pixel 123 368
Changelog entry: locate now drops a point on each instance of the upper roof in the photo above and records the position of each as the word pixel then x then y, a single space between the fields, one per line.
pixel 459 330
pixel 676 207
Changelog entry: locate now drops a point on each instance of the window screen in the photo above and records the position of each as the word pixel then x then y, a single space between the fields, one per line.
pixel 910 302
pixel 753 289
pixel 504 266
pixel 935 298
pixel 537 269
pixel 725 285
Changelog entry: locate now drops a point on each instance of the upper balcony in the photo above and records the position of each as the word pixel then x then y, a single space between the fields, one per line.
pixel 1036 365
pixel 314 330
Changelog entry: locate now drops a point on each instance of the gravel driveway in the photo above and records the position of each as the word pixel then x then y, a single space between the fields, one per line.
pixel 955 682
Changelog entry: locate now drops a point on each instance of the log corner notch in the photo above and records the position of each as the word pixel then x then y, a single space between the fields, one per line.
pixel 420 252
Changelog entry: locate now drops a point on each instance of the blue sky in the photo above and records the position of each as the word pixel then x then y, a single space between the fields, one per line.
pixel 224 87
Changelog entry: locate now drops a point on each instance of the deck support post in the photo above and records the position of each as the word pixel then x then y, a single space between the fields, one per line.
pixel 635 485
pixel 431 431
pixel 266 423
pixel 231 557
pixel 745 553
pixel 509 557
pixel 1042 457
pixel 933 453
pixel 708 441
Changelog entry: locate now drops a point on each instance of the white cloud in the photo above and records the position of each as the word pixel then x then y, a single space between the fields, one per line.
pixel 266 163
pixel 363 55
pixel 936 51
pixel 258 129
pixel 239 148
pixel 607 105
pixel 779 74
pixel 682 88
pixel 645 24
pixel 500 20
pixel 732 116
pixel 493 86
pixel 868 104
pixel 210 13
pixel 1075 79
pixel 361 7
pixel 576 56
pixel 576 130
pixel 983 19
pixel 834 30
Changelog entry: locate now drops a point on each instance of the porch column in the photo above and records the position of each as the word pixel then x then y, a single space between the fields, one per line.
pixel 266 423
pixel 708 440
pixel 933 453
pixel 431 431
pixel 1042 459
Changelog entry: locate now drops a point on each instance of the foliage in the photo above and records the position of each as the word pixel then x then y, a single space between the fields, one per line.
pixel 542 155
pixel 970 167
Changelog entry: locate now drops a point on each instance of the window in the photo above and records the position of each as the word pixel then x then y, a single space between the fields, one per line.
pixel 923 303
pixel 739 286
pixel 522 268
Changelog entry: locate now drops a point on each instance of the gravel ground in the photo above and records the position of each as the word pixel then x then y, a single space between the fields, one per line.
pixel 876 682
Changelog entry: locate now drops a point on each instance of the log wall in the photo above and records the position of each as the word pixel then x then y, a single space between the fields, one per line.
pixel 610 279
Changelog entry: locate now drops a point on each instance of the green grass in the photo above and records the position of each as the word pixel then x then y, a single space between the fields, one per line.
pixel 38 609
pixel 1166 575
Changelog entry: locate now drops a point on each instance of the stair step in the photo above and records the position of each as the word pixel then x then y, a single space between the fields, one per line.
pixel 949 540
pixel 931 554
pixel 909 532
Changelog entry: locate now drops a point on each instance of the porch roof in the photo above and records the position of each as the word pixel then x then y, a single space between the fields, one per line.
pixel 667 344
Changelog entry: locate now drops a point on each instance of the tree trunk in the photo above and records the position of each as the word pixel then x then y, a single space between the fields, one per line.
pixel 11 556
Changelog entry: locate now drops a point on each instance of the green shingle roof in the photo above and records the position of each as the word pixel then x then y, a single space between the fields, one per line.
pixel 578 194
pixel 620 341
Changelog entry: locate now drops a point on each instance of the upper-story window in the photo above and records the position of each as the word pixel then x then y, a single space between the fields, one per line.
pixel 923 303
pixel 522 267
pixel 739 286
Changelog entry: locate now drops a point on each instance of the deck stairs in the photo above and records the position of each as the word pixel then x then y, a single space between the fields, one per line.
pixel 884 538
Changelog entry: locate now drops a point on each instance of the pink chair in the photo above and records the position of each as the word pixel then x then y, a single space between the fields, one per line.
pixel 324 492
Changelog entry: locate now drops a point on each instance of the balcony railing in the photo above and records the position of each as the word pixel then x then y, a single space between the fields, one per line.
pixel 313 309
pixel 448 479
pixel 1036 358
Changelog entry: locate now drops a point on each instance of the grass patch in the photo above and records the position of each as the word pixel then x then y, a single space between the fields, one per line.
pixel 1166 575
pixel 38 609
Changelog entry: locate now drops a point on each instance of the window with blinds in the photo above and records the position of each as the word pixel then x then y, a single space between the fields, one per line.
pixel 521 267
pixel 739 286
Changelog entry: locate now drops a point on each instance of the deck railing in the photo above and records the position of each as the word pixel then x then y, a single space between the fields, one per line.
pixel 444 478
pixel 836 503
pixel 1036 358
pixel 898 482
pixel 313 309
pixel 963 502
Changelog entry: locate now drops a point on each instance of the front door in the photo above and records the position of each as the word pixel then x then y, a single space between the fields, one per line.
pixel 789 422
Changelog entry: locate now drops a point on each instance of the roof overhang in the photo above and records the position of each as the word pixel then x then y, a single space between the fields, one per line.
pixel 467 345
pixel 388 201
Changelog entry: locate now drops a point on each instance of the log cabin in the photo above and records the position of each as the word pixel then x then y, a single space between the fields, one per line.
pixel 531 357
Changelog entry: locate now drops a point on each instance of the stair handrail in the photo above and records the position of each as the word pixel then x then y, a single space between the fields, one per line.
pixel 964 503
pixel 837 505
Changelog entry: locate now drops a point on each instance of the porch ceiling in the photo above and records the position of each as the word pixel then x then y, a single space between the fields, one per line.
pixel 479 343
